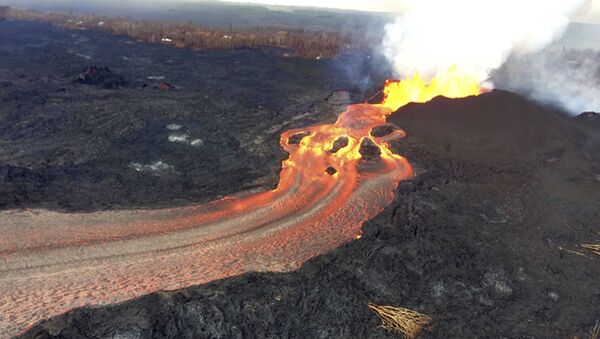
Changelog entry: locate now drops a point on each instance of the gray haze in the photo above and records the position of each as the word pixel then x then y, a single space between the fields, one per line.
pixel 217 13
pixel 565 74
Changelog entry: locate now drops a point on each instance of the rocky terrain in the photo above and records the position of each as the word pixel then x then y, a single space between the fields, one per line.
pixel 90 121
pixel 478 239
pixel 473 240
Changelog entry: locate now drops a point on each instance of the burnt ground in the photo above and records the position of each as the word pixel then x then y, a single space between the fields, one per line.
pixel 473 240
pixel 102 142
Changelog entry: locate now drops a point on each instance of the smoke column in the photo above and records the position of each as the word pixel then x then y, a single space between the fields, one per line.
pixel 477 36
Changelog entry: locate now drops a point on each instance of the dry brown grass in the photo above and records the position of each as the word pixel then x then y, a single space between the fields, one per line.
pixel 590 251
pixel 594 248
pixel 401 320
pixel 595 331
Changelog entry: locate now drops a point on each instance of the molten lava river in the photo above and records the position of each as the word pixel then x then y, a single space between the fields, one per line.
pixel 336 177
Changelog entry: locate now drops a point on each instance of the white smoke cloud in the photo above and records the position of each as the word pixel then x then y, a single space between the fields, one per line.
pixel 567 78
pixel 476 35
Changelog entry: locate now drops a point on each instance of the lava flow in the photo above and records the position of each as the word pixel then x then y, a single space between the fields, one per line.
pixel 336 177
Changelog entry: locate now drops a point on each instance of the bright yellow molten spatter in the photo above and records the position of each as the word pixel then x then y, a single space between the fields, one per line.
pixel 452 84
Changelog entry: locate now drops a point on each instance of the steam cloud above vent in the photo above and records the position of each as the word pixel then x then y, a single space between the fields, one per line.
pixel 431 36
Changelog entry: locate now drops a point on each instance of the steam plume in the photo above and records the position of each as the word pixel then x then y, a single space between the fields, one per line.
pixel 567 78
pixel 476 35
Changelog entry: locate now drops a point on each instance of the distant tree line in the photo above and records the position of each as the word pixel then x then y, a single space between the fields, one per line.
pixel 298 43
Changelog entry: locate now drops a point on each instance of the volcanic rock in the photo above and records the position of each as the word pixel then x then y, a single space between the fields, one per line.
pixel 296 138
pixel 590 115
pixel 589 119
pixel 383 130
pixel 43 126
pixel 339 98
pixel 498 125
pixel 475 232
pixel 101 76
pixel 330 170
pixel 339 143
pixel 165 86
pixel 375 94
pixel 369 150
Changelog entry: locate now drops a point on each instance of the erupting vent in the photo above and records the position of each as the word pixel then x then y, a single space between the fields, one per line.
pixel 336 177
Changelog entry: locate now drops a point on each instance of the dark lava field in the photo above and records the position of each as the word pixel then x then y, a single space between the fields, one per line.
pixel 125 140
pixel 478 239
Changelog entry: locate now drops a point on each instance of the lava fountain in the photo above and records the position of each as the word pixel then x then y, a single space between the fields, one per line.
pixel 336 177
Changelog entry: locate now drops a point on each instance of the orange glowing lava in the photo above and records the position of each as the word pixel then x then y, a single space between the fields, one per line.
pixel 451 84
pixel 52 262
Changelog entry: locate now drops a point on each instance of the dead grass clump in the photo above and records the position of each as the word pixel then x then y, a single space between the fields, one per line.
pixel 401 320
pixel 588 250
pixel 594 248
pixel 595 331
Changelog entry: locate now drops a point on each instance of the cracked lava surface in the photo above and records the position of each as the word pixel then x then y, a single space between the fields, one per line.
pixel 337 176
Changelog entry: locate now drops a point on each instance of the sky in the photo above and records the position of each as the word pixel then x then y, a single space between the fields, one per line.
pixel 589 15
